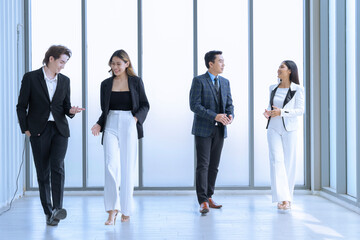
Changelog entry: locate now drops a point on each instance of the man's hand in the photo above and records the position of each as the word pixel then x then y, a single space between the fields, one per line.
pixel 28 133
pixel 231 119
pixel 222 118
pixel 75 110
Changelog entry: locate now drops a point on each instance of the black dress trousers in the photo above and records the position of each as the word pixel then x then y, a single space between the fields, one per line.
pixel 208 152
pixel 49 149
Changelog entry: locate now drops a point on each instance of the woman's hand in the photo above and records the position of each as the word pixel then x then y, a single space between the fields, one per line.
pixel 136 120
pixel 96 129
pixel 275 112
pixel 266 114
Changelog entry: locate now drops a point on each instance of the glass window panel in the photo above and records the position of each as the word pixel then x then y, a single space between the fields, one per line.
pixel 112 25
pixel 213 34
pixel 64 29
pixel 332 91
pixel 168 146
pixel 350 96
pixel 278 36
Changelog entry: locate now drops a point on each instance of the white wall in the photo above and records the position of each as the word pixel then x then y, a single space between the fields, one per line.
pixel 11 70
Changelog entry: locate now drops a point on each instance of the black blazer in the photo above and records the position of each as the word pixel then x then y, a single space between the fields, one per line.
pixel 140 104
pixel 33 108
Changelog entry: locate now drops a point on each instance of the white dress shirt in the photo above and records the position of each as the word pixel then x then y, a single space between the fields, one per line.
pixel 51 86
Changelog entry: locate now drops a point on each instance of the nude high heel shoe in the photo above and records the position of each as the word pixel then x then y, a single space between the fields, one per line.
pixel 111 221
pixel 125 218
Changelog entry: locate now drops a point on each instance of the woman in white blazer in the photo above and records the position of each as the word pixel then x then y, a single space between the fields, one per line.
pixel 285 106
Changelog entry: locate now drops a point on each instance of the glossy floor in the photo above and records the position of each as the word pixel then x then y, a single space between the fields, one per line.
pixel 175 216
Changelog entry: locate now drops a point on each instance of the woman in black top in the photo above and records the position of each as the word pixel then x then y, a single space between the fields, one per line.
pixel 124 108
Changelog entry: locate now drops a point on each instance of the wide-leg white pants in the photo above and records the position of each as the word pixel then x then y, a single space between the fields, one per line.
pixel 120 149
pixel 282 153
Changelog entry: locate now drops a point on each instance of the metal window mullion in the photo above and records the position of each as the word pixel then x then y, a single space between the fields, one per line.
pixel 27 29
pixel 340 55
pixel 313 106
pixel 195 66
pixel 306 80
pixel 324 94
pixel 251 92
pixel 84 69
pixel 140 72
pixel 357 94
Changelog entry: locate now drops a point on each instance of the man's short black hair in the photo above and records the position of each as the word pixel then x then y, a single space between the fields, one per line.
pixel 211 56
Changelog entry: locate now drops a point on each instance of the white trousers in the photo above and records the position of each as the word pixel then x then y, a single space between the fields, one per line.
pixel 282 153
pixel 120 149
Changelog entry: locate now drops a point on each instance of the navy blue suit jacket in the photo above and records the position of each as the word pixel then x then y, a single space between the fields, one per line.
pixel 203 102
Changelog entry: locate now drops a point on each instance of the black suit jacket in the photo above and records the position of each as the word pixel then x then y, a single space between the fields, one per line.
pixel 33 108
pixel 140 104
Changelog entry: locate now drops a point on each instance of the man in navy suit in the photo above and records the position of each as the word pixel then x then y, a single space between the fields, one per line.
pixel 44 101
pixel 211 102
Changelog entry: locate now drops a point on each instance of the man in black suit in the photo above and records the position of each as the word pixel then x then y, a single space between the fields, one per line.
pixel 211 102
pixel 44 101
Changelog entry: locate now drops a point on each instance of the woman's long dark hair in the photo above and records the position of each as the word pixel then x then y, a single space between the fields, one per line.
pixel 294 76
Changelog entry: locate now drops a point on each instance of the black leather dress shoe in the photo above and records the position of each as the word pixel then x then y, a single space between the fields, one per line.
pixel 54 222
pixel 56 216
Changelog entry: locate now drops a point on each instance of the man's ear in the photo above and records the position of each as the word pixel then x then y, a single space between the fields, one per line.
pixel 51 59
pixel 211 64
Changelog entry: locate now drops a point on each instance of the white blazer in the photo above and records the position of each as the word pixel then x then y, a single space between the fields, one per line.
pixel 293 106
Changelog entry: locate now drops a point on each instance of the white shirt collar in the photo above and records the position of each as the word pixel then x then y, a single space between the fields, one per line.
pixel 48 79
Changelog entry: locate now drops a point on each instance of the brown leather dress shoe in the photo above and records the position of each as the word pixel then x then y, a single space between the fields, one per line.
pixel 204 207
pixel 213 204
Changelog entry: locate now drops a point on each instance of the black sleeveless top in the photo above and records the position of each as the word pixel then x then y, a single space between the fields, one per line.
pixel 120 101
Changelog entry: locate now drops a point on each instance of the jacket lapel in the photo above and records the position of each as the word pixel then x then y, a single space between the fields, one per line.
pixel 272 97
pixel 59 85
pixel 43 83
pixel 290 94
pixel 222 91
pixel 108 89
pixel 211 85
pixel 132 90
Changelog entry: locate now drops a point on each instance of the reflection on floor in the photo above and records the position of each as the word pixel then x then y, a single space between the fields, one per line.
pixel 175 215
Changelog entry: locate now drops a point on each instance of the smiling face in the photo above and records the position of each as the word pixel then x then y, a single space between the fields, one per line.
pixel 283 71
pixel 57 65
pixel 217 66
pixel 118 66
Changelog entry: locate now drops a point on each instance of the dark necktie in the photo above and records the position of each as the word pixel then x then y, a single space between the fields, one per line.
pixel 216 83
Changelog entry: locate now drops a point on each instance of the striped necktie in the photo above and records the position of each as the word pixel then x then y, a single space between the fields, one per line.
pixel 216 83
